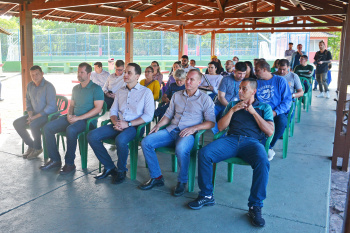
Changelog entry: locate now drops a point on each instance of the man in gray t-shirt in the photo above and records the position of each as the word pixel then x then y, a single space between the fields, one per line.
pixel 293 79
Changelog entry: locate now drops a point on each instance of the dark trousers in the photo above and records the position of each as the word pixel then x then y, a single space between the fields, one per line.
pixel 109 101
pixel 20 125
pixel 280 125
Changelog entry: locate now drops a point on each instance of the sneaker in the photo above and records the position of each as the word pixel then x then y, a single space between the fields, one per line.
pixel 29 150
pixel 201 201
pixel 328 95
pixel 271 154
pixel 255 215
pixel 35 153
pixel 321 95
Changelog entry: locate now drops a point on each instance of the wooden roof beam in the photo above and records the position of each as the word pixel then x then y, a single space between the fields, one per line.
pixel 7 9
pixel 263 25
pixel 131 4
pixel 45 13
pixel 38 5
pixel 243 15
pixel 99 11
pixel 104 19
pixel 200 3
pixel 283 30
pixel 152 10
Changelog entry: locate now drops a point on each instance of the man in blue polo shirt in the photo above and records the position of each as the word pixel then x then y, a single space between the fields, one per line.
pixel 249 122
pixel 87 101
pixel 274 90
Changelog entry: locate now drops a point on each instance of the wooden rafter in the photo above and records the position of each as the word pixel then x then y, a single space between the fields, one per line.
pixel 7 9
pixel 283 30
pixel 98 11
pixel 153 9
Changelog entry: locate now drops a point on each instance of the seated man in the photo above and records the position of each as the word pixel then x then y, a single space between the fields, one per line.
pixel 86 102
pixel 133 106
pixel 293 79
pixel 229 68
pixel 40 102
pixel 99 76
pixel 193 64
pixel 228 91
pixel 249 122
pixel 184 63
pixel 189 111
pixel 114 82
pixel 273 90
pixel 304 70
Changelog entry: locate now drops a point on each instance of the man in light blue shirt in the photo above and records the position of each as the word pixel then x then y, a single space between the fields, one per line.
pixel 133 105
pixel 40 102
pixel 87 102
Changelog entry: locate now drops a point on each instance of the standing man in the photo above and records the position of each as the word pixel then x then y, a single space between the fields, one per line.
pixel 40 102
pixel 184 63
pixel 293 79
pixel 304 70
pixel 133 106
pixel 189 111
pixel 289 52
pixel 249 122
pixel 99 76
pixel 229 66
pixel 274 90
pixel 114 82
pixel 229 91
pixel 322 59
pixel 296 57
pixel 86 102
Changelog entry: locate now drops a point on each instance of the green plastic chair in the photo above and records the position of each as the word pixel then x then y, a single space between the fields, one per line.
pixel 286 131
pixel 133 147
pixel 192 169
pixel 62 104
pixel 305 98
pixel 235 160
pixel 82 140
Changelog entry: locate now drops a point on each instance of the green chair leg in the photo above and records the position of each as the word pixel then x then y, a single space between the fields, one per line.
pixel 83 150
pixel 174 163
pixel 46 155
pixel 192 171
pixel 63 144
pixel 230 172
pixel 99 167
pixel 22 147
pixel 214 176
pixel 133 159
pixel 292 124
pixel 299 110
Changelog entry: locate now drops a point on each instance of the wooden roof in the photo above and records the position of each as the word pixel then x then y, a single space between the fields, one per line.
pixel 196 16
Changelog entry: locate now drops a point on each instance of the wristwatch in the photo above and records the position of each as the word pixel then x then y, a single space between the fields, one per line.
pixel 129 123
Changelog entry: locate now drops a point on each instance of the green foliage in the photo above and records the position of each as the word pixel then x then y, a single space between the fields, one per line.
pixel 334 45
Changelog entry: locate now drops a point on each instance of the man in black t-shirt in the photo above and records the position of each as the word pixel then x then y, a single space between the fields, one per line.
pixel 322 59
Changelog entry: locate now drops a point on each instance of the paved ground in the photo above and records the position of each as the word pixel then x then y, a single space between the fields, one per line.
pixel 298 189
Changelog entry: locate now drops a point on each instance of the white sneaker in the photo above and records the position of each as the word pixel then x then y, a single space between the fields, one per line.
pixel 271 154
pixel 321 95
pixel 328 95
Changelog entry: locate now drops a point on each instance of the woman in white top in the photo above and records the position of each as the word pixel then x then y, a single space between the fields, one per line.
pixel 213 79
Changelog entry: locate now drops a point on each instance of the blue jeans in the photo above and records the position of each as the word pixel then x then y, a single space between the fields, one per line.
pixel 218 109
pixel 20 125
pixel 162 138
pixel 72 130
pixel 280 125
pixel 247 148
pixel 122 138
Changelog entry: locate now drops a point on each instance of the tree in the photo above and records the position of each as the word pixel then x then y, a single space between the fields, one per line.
pixel 334 45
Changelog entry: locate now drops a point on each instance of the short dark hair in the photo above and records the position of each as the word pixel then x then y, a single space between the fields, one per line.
pixel 149 67
pixel 290 42
pixel 137 67
pixel 263 65
pixel 193 61
pixel 119 63
pixel 158 70
pixel 87 66
pixel 322 42
pixel 36 68
pixel 214 63
pixel 252 82
pixel 99 64
pixel 196 71
pixel 304 56
pixel 283 62
pixel 178 62
pixel 185 56
pixel 241 66
pixel 236 57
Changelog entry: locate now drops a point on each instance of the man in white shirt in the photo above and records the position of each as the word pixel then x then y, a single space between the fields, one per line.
pixel 114 82
pixel 133 106
pixel 99 76
pixel 184 64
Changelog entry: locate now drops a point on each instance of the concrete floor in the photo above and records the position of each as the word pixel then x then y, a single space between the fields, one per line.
pixel 298 191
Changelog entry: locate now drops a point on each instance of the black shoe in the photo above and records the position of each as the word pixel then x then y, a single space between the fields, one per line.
pixel 118 178
pixel 255 216
pixel 152 183
pixel 179 189
pixel 67 168
pixel 51 164
pixel 105 173
pixel 201 201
